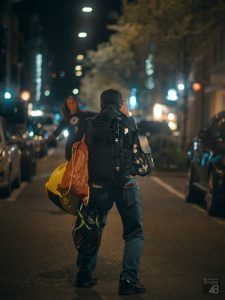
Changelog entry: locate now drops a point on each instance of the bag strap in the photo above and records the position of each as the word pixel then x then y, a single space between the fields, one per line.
pixel 74 150
pixel 116 137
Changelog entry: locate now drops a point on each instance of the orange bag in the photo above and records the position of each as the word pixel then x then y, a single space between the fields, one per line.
pixel 75 177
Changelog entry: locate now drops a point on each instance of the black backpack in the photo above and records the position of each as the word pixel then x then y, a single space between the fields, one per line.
pixel 111 149
pixel 115 150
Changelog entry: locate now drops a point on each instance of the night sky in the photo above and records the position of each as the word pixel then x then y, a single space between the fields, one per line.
pixel 62 20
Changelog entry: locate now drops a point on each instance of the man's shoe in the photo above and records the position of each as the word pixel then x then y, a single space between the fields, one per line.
pixel 85 280
pixel 126 287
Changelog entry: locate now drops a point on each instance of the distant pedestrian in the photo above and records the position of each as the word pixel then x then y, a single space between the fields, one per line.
pixel 112 143
pixel 73 119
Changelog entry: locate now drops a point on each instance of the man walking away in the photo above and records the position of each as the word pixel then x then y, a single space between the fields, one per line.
pixel 111 139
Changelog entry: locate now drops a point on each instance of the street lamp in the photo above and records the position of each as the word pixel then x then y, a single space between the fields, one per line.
pixel 25 95
pixel 78 68
pixel 7 95
pixel 80 57
pixel 47 93
pixel 75 91
pixel 79 73
pixel 180 86
pixel 82 35
pixel 133 101
pixel 196 86
pixel 87 9
pixel 172 95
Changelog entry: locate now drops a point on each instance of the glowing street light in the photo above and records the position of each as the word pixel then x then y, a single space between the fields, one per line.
pixel 172 125
pixel 196 86
pixel 25 95
pixel 79 73
pixel 47 93
pixel 82 35
pixel 87 9
pixel 133 101
pixel 172 95
pixel 80 57
pixel 7 95
pixel 75 91
pixel 180 86
pixel 78 68
pixel 171 116
pixel 37 113
pixel 157 112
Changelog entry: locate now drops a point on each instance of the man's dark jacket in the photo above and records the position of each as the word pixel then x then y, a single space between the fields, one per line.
pixel 99 138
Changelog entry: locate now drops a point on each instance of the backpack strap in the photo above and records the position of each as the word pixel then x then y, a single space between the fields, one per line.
pixel 117 144
pixel 88 130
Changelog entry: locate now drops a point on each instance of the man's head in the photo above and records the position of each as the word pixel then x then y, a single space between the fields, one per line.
pixel 111 97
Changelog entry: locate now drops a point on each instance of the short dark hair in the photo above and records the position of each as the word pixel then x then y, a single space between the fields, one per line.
pixel 111 97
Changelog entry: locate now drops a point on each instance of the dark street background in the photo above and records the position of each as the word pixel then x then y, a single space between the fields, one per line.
pixel 37 258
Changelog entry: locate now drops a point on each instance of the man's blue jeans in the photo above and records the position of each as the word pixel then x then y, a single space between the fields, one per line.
pixel 127 200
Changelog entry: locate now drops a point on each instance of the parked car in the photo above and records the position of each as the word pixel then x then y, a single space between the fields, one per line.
pixel 206 166
pixel 26 144
pixel 39 135
pixel 10 157
pixel 48 123
pixel 15 114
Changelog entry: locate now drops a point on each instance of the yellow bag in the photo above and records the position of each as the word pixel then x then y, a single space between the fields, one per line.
pixel 68 202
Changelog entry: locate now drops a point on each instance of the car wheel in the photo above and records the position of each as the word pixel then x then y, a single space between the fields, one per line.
pixel 17 182
pixel 211 197
pixel 193 195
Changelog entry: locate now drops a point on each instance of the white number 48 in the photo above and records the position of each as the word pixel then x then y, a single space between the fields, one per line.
pixel 214 289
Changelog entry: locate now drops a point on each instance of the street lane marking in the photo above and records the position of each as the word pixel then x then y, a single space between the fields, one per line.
pixel 198 208
pixel 181 196
pixel 218 220
pixel 51 151
pixel 15 193
pixel 168 187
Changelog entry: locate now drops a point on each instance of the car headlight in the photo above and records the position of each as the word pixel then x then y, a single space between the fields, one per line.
pixel 65 133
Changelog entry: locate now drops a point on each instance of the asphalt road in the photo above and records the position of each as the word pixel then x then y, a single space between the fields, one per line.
pixel 183 246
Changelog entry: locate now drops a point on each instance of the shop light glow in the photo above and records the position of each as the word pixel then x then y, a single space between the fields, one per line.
pixel 38 77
